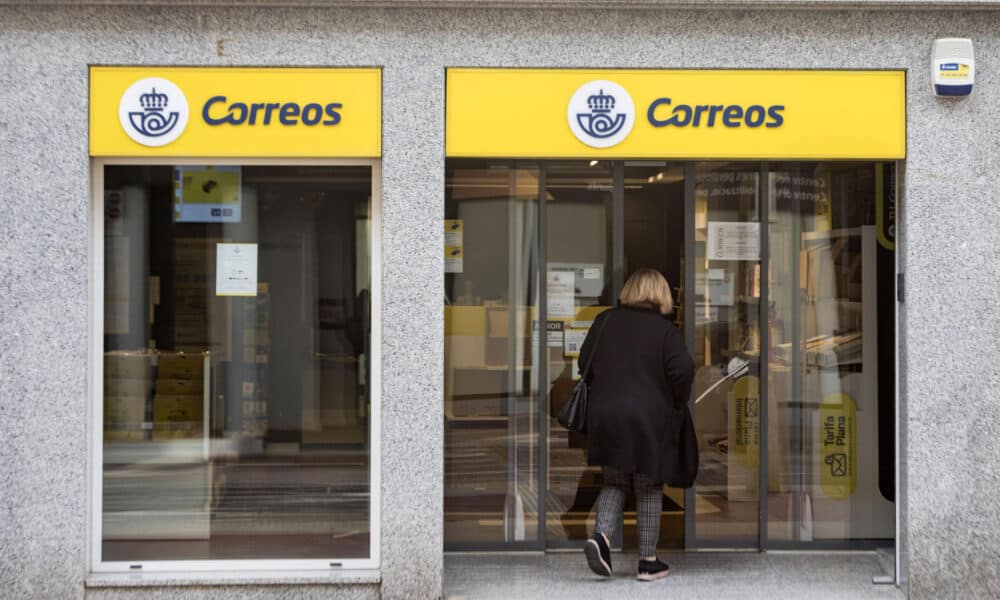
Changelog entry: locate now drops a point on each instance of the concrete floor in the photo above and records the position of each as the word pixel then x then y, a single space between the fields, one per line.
pixel 712 576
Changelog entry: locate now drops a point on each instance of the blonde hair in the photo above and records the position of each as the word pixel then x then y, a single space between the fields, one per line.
pixel 648 288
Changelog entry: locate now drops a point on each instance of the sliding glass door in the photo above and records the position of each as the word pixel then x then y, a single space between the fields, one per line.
pixel 492 461
pixel 783 277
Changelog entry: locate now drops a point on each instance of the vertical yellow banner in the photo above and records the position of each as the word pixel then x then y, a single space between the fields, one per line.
pixel 744 421
pixel 837 446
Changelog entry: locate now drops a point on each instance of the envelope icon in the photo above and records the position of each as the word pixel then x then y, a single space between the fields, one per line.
pixel 838 464
pixel 752 407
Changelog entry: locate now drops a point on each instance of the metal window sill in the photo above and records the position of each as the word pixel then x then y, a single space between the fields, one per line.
pixel 210 578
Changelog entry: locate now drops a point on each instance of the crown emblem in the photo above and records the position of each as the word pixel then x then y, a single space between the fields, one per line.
pixel 601 102
pixel 600 113
pixel 153 120
pixel 153 101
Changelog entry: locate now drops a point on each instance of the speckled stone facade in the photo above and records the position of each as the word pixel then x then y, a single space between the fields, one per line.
pixel 949 229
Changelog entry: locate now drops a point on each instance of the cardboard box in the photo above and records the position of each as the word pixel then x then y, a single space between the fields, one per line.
pixel 127 387
pixel 177 417
pixel 123 417
pixel 128 365
pixel 180 387
pixel 181 366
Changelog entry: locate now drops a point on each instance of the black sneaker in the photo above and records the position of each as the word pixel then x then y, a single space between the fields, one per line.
pixel 598 555
pixel 651 570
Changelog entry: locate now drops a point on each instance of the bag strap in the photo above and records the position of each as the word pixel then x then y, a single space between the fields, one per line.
pixel 597 341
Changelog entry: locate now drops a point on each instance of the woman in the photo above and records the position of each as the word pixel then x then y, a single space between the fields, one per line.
pixel 640 379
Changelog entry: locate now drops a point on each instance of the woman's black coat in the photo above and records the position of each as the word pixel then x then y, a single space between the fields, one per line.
pixel 640 381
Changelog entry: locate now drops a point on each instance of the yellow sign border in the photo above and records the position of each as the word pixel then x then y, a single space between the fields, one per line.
pixel 522 113
pixel 358 134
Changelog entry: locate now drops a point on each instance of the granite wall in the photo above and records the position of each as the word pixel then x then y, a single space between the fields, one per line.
pixel 950 230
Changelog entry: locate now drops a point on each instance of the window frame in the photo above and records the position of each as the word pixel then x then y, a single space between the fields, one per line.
pixel 255 569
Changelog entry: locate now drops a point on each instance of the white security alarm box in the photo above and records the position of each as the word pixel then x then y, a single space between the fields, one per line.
pixel 953 68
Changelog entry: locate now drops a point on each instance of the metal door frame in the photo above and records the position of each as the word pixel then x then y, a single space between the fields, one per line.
pixel 542 392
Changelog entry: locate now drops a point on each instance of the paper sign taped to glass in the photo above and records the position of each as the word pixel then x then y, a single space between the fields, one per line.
pixel 574 341
pixel 561 294
pixel 236 270
pixel 733 241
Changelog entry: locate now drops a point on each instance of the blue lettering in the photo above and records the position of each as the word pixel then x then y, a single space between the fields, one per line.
pixel 288 113
pixel 237 106
pixel 732 115
pixel 253 112
pixel 676 120
pixel 311 114
pixel 775 113
pixel 204 110
pixel 650 114
pixel 712 112
pixel 270 108
pixel 697 114
pixel 754 116
pixel 331 112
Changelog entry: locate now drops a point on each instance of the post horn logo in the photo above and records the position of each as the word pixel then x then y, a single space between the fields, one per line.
pixel 601 114
pixel 153 111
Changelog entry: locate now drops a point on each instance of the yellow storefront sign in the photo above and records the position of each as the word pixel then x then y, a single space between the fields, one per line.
pixel 712 114
pixel 235 112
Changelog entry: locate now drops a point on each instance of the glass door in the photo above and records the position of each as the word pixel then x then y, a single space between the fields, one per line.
pixel 580 283
pixel 726 348
pixel 655 218
pixel 796 259
pixel 831 368
pixel 492 464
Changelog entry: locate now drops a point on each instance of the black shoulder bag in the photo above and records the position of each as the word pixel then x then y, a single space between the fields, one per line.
pixel 573 415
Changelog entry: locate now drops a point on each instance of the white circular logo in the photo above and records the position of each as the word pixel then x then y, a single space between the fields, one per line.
pixel 601 113
pixel 153 111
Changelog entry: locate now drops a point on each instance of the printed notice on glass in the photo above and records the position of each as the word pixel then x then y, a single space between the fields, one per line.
pixel 733 241
pixel 553 334
pixel 574 341
pixel 454 245
pixel 561 290
pixel 208 194
pixel 236 270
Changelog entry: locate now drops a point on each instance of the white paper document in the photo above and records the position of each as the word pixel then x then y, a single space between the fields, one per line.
pixel 561 292
pixel 733 241
pixel 236 270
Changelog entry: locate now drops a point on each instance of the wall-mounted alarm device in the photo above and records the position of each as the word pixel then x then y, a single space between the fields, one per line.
pixel 953 67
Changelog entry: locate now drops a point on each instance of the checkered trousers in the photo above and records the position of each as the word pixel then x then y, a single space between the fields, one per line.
pixel 648 506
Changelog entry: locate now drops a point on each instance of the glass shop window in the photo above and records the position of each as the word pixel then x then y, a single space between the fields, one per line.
pixel 236 387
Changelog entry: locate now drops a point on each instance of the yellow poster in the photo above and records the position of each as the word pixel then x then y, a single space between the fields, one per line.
pixel 208 194
pixel 744 421
pixel 454 259
pixel 454 245
pixel 837 446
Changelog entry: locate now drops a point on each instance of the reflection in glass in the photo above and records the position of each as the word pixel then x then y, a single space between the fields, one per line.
pixel 236 366
pixel 654 237
pixel 491 414
pixel 831 412
pixel 726 318
pixel 579 239
pixel 829 375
